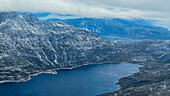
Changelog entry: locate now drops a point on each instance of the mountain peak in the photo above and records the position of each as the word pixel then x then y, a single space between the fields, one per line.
pixel 16 16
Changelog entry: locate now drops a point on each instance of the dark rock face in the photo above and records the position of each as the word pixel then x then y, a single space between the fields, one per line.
pixel 134 29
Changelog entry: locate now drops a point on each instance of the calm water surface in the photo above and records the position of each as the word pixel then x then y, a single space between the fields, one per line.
pixel 84 81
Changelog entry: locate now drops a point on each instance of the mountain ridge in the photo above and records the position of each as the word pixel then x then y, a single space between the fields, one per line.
pixel 133 29
pixel 34 46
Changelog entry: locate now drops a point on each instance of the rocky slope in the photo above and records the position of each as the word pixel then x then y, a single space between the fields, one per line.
pixel 134 29
pixel 29 46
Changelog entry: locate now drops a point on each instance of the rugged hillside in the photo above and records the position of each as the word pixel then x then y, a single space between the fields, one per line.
pixel 154 78
pixel 29 46
pixel 134 29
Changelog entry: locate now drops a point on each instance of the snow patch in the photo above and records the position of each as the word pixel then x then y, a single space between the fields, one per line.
pixel 5 55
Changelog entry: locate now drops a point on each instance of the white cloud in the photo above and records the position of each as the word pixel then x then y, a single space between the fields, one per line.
pixel 147 9
pixel 88 8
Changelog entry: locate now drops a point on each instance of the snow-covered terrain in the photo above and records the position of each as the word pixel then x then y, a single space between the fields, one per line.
pixel 132 29
pixel 29 46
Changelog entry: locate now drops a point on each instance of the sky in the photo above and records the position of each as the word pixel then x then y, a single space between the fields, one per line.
pixel 146 9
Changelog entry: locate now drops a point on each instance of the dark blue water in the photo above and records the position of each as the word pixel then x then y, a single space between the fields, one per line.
pixel 84 81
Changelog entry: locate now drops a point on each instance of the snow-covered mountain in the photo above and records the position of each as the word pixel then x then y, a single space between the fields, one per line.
pixel 29 46
pixel 133 29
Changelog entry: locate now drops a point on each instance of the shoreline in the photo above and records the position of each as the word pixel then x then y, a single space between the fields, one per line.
pixel 54 71
pixel 128 75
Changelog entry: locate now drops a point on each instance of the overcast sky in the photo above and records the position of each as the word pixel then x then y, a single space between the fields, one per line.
pixel 146 9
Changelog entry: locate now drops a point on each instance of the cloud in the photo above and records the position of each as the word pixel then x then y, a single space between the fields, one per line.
pixel 88 8
pixel 147 9
pixel 54 6
pixel 59 16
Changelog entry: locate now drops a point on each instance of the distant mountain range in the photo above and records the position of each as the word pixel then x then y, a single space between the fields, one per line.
pixel 132 29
